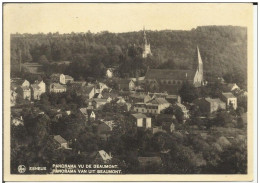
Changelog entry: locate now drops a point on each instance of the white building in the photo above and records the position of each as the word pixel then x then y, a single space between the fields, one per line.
pixel 229 99
pixel 142 120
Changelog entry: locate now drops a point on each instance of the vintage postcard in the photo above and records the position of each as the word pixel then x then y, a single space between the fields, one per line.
pixel 128 91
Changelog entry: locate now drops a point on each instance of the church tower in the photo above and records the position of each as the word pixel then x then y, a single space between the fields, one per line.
pixel 146 47
pixel 198 66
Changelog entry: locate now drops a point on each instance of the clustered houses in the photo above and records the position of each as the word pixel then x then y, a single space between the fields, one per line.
pixel 26 90
pixel 61 78
pixel 154 106
pixel 142 120
pixel 209 105
pixel 142 108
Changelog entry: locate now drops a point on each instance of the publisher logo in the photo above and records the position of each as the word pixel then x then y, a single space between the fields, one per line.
pixel 21 168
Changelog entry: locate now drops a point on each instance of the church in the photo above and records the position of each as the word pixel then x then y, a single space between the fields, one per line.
pixel 172 80
pixel 146 47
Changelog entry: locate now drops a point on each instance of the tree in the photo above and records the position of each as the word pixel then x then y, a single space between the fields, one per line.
pixel 188 92
pixel 43 59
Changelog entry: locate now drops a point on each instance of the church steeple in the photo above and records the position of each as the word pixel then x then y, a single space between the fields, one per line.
pixel 145 39
pixel 146 46
pixel 198 67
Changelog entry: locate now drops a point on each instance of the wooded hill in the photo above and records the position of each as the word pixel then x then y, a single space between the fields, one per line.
pixel 223 48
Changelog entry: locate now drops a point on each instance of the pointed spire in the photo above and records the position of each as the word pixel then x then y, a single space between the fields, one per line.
pixel 199 57
pixel 145 40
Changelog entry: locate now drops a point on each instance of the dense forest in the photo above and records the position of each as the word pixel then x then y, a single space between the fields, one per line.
pixel 223 50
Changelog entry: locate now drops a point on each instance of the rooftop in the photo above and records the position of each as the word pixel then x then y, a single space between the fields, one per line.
pixel 228 95
pixel 139 115
pixel 59 139
pixel 170 74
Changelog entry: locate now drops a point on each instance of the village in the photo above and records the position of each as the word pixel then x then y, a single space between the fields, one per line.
pixel 133 122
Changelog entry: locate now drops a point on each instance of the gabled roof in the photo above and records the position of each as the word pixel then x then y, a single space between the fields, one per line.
pixel 57 86
pixel 139 96
pixel 158 101
pixel 59 139
pixel 231 85
pixel 88 89
pixel 228 95
pixel 170 74
pixel 68 77
pixel 139 115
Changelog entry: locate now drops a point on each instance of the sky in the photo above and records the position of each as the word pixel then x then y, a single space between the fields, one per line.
pixel 121 17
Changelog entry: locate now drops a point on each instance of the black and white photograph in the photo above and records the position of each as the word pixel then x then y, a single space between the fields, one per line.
pixel 128 88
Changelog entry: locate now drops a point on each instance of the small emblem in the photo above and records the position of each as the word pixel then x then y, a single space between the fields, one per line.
pixel 21 168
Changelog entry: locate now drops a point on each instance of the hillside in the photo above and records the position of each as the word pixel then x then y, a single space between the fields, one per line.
pixel 223 48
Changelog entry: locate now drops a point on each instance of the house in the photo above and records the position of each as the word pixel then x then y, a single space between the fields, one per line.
pixel 209 105
pixel 142 120
pixel 17 121
pixel 58 78
pixel 36 91
pixel 25 83
pixel 143 98
pixel 68 112
pixel 102 157
pixel 98 102
pixel 25 92
pixel 120 100
pixel 68 79
pixel 61 142
pixel 103 131
pixel 57 88
pixel 229 99
pixel 100 87
pixel 125 84
pixel 231 87
pixel 87 91
pixel 13 97
pixel 183 109
pixel 175 78
pixel 61 78
pixel 41 84
pixel 156 105
pixel 22 88
pixel 38 88
pixel 88 113
pixel 109 72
